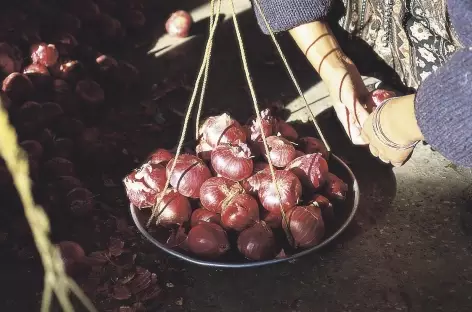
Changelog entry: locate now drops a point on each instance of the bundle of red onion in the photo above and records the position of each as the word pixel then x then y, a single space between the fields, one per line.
pixel 230 188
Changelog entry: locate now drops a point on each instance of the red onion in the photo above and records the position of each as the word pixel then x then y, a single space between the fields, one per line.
pixel 203 215
pixel 239 212
pixel 44 54
pixel 260 166
pixel 252 184
pixel 30 117
pixel 160 156
pixel 179 24
pixel 63 147
pixel 258 242
pixel 286 130
pixel 189 174
pixel 65 43
pixel 281 151
pixel 18 87
pixel 68 22
pixel 106 64
pixel 65 184
pixel 11 59
pixel 38 74
pixel 215 190
pixel 222 129
pixel 376 97
pixel 143 185
pixel 335 187
pixel 90 92
pixel 56 167
pixel 289 187
pixel 327 210
pixel 173 209
pixel 306 226
pixel 233 162
pixel 80 201
pixel 70 70
pixel 33 148
pixel 268 124
pixel 310 145
pixel 204 150
pixel 299 153
pixel 208 240
pixel 134 19
pixel 311 169
pixel 51 112
pixel 273 219
pixel 72 255
pixel 127 74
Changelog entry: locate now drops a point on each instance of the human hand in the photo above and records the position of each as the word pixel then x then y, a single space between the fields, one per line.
pixel 392 131
pixel 350 98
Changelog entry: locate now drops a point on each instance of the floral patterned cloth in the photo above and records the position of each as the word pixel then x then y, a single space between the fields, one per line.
pixel 420 40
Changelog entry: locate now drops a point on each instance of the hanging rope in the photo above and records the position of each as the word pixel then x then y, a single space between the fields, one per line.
pixel 292 76
pixel 203 69
pixel 56 280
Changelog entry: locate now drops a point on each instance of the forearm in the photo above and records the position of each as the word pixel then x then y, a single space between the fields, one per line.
pixel 321 48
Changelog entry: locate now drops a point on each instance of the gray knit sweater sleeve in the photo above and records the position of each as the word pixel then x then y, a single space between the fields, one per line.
pixel 283 15
pixel 444 100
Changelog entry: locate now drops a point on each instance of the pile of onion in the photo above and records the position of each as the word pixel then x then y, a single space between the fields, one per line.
pixel 224 197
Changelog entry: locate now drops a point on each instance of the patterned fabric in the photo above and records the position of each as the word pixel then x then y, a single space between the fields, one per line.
pixel 415 38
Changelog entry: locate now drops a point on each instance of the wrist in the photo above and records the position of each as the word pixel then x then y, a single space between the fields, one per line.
pixel 399 120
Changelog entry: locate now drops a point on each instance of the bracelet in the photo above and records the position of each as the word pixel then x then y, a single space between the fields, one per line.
pixel 378 132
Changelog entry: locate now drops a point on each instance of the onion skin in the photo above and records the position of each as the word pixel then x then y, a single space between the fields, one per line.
pixel 258 243
pixel 173 209
pixel 11 59
pixel 327 210
pixel 268 124
pixel 290 191
pixel 299 153
pixel 203 215
pixel 44 54
pixel 143 185
pixel 160 156
pixel 204 150
pixel 241 212
pixel 310 145
pixel 189 174
pixel 306 226
pixel 233 162
pixel 222 129
pixel 311 169
pixel 335 187
pixel 252 184
pixel 178 24
pixel 208 240
pixel 286 130
pixel 215 190
pixel 281 151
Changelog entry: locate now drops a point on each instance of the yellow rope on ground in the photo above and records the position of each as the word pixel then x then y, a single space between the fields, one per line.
pixel 56 280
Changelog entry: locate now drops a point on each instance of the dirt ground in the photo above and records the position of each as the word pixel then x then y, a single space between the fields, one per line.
pixel 408 249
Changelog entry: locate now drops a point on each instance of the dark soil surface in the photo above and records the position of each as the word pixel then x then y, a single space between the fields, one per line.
pixel 408 249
